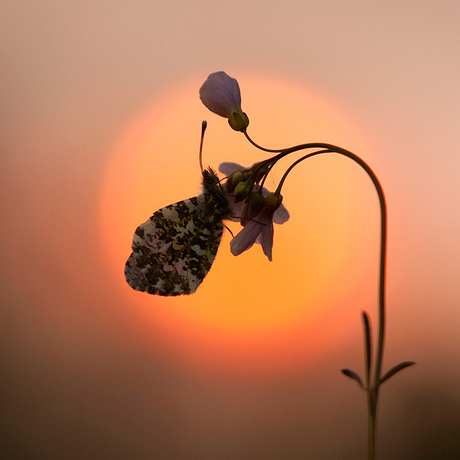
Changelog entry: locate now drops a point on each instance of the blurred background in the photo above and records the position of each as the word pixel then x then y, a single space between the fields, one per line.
pixel 100 125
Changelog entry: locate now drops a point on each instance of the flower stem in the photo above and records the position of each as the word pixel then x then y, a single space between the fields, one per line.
pixel 373 385
pixel 372 412
pixel 260 147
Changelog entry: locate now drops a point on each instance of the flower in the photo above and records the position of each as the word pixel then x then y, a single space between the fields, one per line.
pixel 280 216
pixel 221 94
pixel 257 221
pixel 257 230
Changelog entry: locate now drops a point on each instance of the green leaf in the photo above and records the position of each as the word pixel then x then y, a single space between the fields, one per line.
pixel 353 375
pixel 395 369
pixel 367 345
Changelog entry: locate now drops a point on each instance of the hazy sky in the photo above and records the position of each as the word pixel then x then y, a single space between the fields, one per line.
pixel 100 122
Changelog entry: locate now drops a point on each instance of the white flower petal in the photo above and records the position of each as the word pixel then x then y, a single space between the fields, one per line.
pixel 245 239
pixel 281 215
pixel 267 239
pixel 221 94
pixel 237 210
pixel 229 168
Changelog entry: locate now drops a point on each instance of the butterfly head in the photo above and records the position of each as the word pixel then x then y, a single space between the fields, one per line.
pixel 210 179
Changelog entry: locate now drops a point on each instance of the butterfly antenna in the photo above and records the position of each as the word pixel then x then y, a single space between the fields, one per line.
pixel 204 124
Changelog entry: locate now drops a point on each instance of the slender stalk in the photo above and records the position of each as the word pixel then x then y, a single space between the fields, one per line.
pixel 260 147
pixel 372 408
pixel 373 385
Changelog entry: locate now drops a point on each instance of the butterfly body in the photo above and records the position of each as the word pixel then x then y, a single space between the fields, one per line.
pixel 174 250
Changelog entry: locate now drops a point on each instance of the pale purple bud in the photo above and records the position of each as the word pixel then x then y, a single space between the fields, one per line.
pixel 220 93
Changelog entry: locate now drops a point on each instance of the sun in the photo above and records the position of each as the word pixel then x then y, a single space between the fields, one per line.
pixel 249 314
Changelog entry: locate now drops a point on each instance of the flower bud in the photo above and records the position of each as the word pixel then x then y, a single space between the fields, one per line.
pixel 236 177
pixel 221 94
pixel 273 201
pixel 255 201
pixel 242 190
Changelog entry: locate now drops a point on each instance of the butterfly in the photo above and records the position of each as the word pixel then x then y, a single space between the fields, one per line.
pixel 174 250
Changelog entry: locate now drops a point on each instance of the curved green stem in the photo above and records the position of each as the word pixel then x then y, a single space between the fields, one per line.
pixel 373 387
pixel 259 146
pixel 280 185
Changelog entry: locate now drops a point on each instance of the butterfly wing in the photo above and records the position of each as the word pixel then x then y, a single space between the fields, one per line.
pixel 174 250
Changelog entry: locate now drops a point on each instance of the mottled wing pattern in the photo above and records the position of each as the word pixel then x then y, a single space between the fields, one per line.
pixel 174 250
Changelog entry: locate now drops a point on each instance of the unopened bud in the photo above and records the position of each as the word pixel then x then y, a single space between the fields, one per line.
pixel 242 190
pixel 255 201
pixel 273 201
pixel 236 177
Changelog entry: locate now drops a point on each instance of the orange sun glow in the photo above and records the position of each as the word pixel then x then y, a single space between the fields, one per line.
pixel 249 314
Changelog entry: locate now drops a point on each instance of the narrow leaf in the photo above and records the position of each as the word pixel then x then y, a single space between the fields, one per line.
pixel 353 375
pixel 367 345
pixel 396 369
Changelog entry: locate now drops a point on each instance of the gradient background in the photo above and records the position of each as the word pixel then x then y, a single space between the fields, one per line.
pixel 100 123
